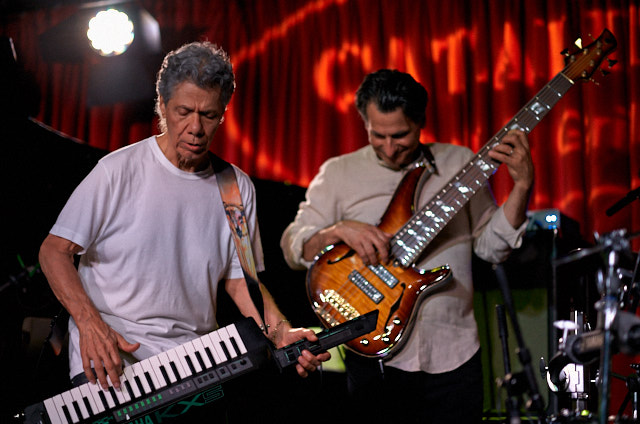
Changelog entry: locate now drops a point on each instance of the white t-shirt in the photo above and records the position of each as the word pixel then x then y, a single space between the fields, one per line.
pixel 156 242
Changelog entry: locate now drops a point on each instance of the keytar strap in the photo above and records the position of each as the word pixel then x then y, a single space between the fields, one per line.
pixel 234 210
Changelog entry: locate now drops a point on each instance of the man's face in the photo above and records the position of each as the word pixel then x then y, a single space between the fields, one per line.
pixel 393 136
pixel 192 116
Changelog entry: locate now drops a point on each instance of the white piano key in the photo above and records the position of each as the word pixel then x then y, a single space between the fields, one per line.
pixel 150 366
pixel 138 371
pixel 107 395
pixel 174 357
pixel 233 332
pixel 68 401
pixel 190 350
pixel 77 396
pixel 86 392
pixel 119 393
pixel 218 355
pixel 129 374
pixel 226 339
pixel 95 390
pixel 164 360
pixel 215 338
pixel 199 347
pixel 124 390
pixel 52 411
pixel 179 363
pixel 182 356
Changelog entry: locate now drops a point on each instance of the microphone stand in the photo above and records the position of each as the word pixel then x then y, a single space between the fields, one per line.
pixel 510 381
pixel 524 355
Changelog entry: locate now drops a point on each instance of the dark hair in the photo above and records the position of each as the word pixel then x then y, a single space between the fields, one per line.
pixel 389 89
pixel 202 63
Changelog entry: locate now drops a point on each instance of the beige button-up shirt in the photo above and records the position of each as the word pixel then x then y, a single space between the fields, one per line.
pixel 358 186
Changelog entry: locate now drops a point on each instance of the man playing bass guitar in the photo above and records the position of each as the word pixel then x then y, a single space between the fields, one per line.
pixel 436 376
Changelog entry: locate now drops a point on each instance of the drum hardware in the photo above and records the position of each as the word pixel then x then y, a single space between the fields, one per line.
pixel 632 382
pixel 609 285
pixel 617 330
pixel 630 290
pixel 517 384
pixel 564 374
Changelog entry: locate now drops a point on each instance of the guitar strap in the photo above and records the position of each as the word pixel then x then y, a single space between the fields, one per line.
pixel 234 210
pixel 430 161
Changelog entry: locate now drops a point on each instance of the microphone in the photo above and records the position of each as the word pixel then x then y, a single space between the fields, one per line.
pixel 630 197
pixel 585 348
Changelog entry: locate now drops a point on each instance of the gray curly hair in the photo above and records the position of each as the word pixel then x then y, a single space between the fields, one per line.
pixel 202 63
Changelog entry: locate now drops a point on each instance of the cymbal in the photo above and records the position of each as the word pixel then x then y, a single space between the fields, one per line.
pixel 579 254
pixel 588 251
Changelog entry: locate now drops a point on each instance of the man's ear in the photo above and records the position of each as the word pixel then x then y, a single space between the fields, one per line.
pixel 161 105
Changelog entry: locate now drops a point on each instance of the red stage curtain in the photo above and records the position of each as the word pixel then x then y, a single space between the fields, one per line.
pixel 298 64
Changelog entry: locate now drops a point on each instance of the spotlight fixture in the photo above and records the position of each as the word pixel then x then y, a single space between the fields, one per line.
pixel 113 76
pixel 110 32
pixel 107 30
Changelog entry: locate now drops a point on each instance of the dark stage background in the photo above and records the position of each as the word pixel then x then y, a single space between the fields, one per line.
pixel 298 64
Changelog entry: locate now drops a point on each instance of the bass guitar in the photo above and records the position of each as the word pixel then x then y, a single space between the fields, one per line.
pixel 341 287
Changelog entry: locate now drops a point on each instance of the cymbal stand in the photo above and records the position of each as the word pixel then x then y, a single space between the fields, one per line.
pixel 609 286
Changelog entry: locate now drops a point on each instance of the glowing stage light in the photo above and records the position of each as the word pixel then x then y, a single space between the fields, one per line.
pixel 110 32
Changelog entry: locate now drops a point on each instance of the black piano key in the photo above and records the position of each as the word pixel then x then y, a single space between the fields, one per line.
pixel 163 371
pixel 227 345
pixel 90 394
pixel 127 385
pixel 88 406
pixel 76 407
pixel 150 381
pixel 67 414
pixel 179 353
pixel 190 360
pixel 201 361
pixel 112 391
pixel 235 345
pixel 235 336
pixel 191 367
pixel 130 385
pixel 103 399
pixel 174 368
pixel 138 383
pixel 81 399
pixel 137 378
pixel 227 354
pixel 156 375
pixel 210 355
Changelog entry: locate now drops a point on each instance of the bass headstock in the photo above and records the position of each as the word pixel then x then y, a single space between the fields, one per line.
pixel 583 61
